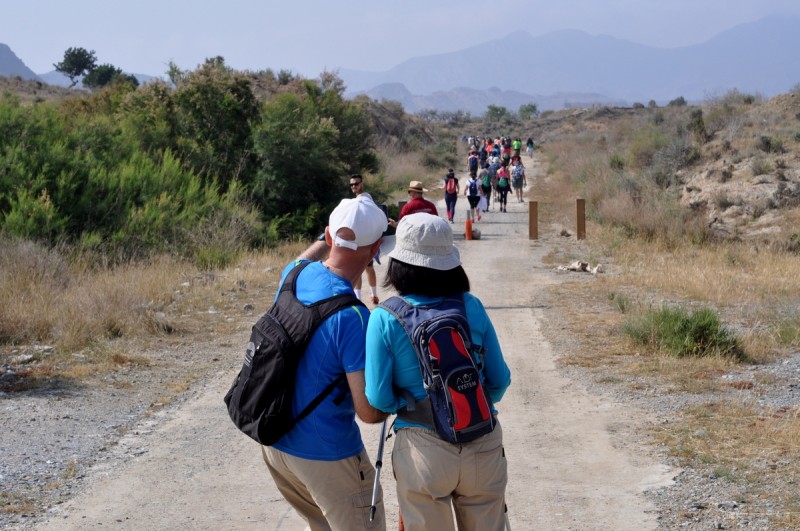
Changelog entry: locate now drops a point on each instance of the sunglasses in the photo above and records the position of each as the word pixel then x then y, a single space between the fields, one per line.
pixel 355 184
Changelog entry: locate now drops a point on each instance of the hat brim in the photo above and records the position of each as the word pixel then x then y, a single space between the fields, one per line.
pixel 420 190
pixel 442 262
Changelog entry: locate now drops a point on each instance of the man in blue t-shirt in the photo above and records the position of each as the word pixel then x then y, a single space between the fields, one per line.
pixel 321 466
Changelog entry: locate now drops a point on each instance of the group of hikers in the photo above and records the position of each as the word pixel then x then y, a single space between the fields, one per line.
pixel 494 168
pixel 443 464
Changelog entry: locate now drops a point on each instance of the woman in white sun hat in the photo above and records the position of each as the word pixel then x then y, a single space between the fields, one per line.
pixel 435 477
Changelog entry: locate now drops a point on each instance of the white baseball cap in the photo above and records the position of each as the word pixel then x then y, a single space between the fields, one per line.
pixel 362 216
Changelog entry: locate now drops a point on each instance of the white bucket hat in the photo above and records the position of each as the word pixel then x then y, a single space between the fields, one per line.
pixel 362 216
pixel 425 240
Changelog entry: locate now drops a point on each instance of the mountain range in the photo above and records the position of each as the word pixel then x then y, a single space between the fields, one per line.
pixel 571 67
pixel 568 68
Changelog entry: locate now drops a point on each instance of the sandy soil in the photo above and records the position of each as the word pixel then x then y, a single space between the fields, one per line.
pixel 570 466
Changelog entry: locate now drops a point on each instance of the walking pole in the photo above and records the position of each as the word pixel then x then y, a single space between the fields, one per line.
pixel 508 524
pixel 378 465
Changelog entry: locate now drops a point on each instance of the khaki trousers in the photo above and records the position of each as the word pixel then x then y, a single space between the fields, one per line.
pixel 436 478
pixel 329 495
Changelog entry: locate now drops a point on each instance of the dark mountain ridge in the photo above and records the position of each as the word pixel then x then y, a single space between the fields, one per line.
pixel 11 65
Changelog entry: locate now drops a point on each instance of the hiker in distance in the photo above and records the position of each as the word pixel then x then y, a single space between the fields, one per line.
pixel 417 202
pixel 473 193
pixel 435 476
pixel 357 187
pixel 321 466
pixel 503 187
pixel 519 180
pixel 451 190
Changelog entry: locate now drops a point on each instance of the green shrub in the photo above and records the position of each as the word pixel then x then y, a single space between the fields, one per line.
pixel 697 126
pixel 644 145
pixel 132 171
pixel 768 144
pixel 620 301
pixel 788 332
pixel 684 334
pixel 658 118
pixel 440 155
pixel 760 166
pixel 616 162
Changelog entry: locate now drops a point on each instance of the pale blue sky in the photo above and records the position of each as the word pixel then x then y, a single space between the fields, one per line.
pixel 307 36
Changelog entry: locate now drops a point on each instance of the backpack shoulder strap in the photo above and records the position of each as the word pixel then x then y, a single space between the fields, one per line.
pixel 309 316
pixel 421 411
pixel 398 307
pixel 300 321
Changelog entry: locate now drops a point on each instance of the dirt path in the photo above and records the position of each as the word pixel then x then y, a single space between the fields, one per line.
pixel 568 469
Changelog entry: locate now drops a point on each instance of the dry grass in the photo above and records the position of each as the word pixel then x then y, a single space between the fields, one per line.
pixel 46 300
pixel 758 449
pixel 744 444
pixel 29 91
pixel 754 285
pixel 16 503
pixel 726 274
pixel 96 318
pixel 399 168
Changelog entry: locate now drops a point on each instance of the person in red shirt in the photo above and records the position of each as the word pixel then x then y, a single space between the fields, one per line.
pixel 416 202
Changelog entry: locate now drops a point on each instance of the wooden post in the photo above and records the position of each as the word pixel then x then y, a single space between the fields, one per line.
pixel 581 204
pixel 533 220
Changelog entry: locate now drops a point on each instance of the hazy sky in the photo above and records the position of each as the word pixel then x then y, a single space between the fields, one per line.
pixel 308 36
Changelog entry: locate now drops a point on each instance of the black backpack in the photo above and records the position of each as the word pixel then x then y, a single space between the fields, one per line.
pixel 260 400
pixel 457 407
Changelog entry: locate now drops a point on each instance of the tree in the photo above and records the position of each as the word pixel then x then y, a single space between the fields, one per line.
pixel 106 74
pixel 305 142
pixel 528 111
pixel 429 115
pixel 495 112
pixel 76 62
pixel 215 109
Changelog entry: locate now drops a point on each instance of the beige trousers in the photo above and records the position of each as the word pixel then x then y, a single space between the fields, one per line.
pixel 329 495
pixel 436 478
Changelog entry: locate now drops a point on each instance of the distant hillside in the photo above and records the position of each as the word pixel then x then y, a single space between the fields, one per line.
pixel 31 90
pixel 11 65
pixel 760 57
pixel 476 101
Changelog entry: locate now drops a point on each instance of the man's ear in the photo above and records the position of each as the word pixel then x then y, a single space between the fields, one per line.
pixel 328 237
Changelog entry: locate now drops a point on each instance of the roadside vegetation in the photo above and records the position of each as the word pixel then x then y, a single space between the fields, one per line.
pixel 122 210
pixel 696 211
pixel 135 214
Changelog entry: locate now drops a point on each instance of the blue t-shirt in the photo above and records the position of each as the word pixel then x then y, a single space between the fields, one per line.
pixel 391 360
pixel 330 432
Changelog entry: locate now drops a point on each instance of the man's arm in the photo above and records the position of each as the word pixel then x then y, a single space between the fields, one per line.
pixel 365 412
pixel 316 251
